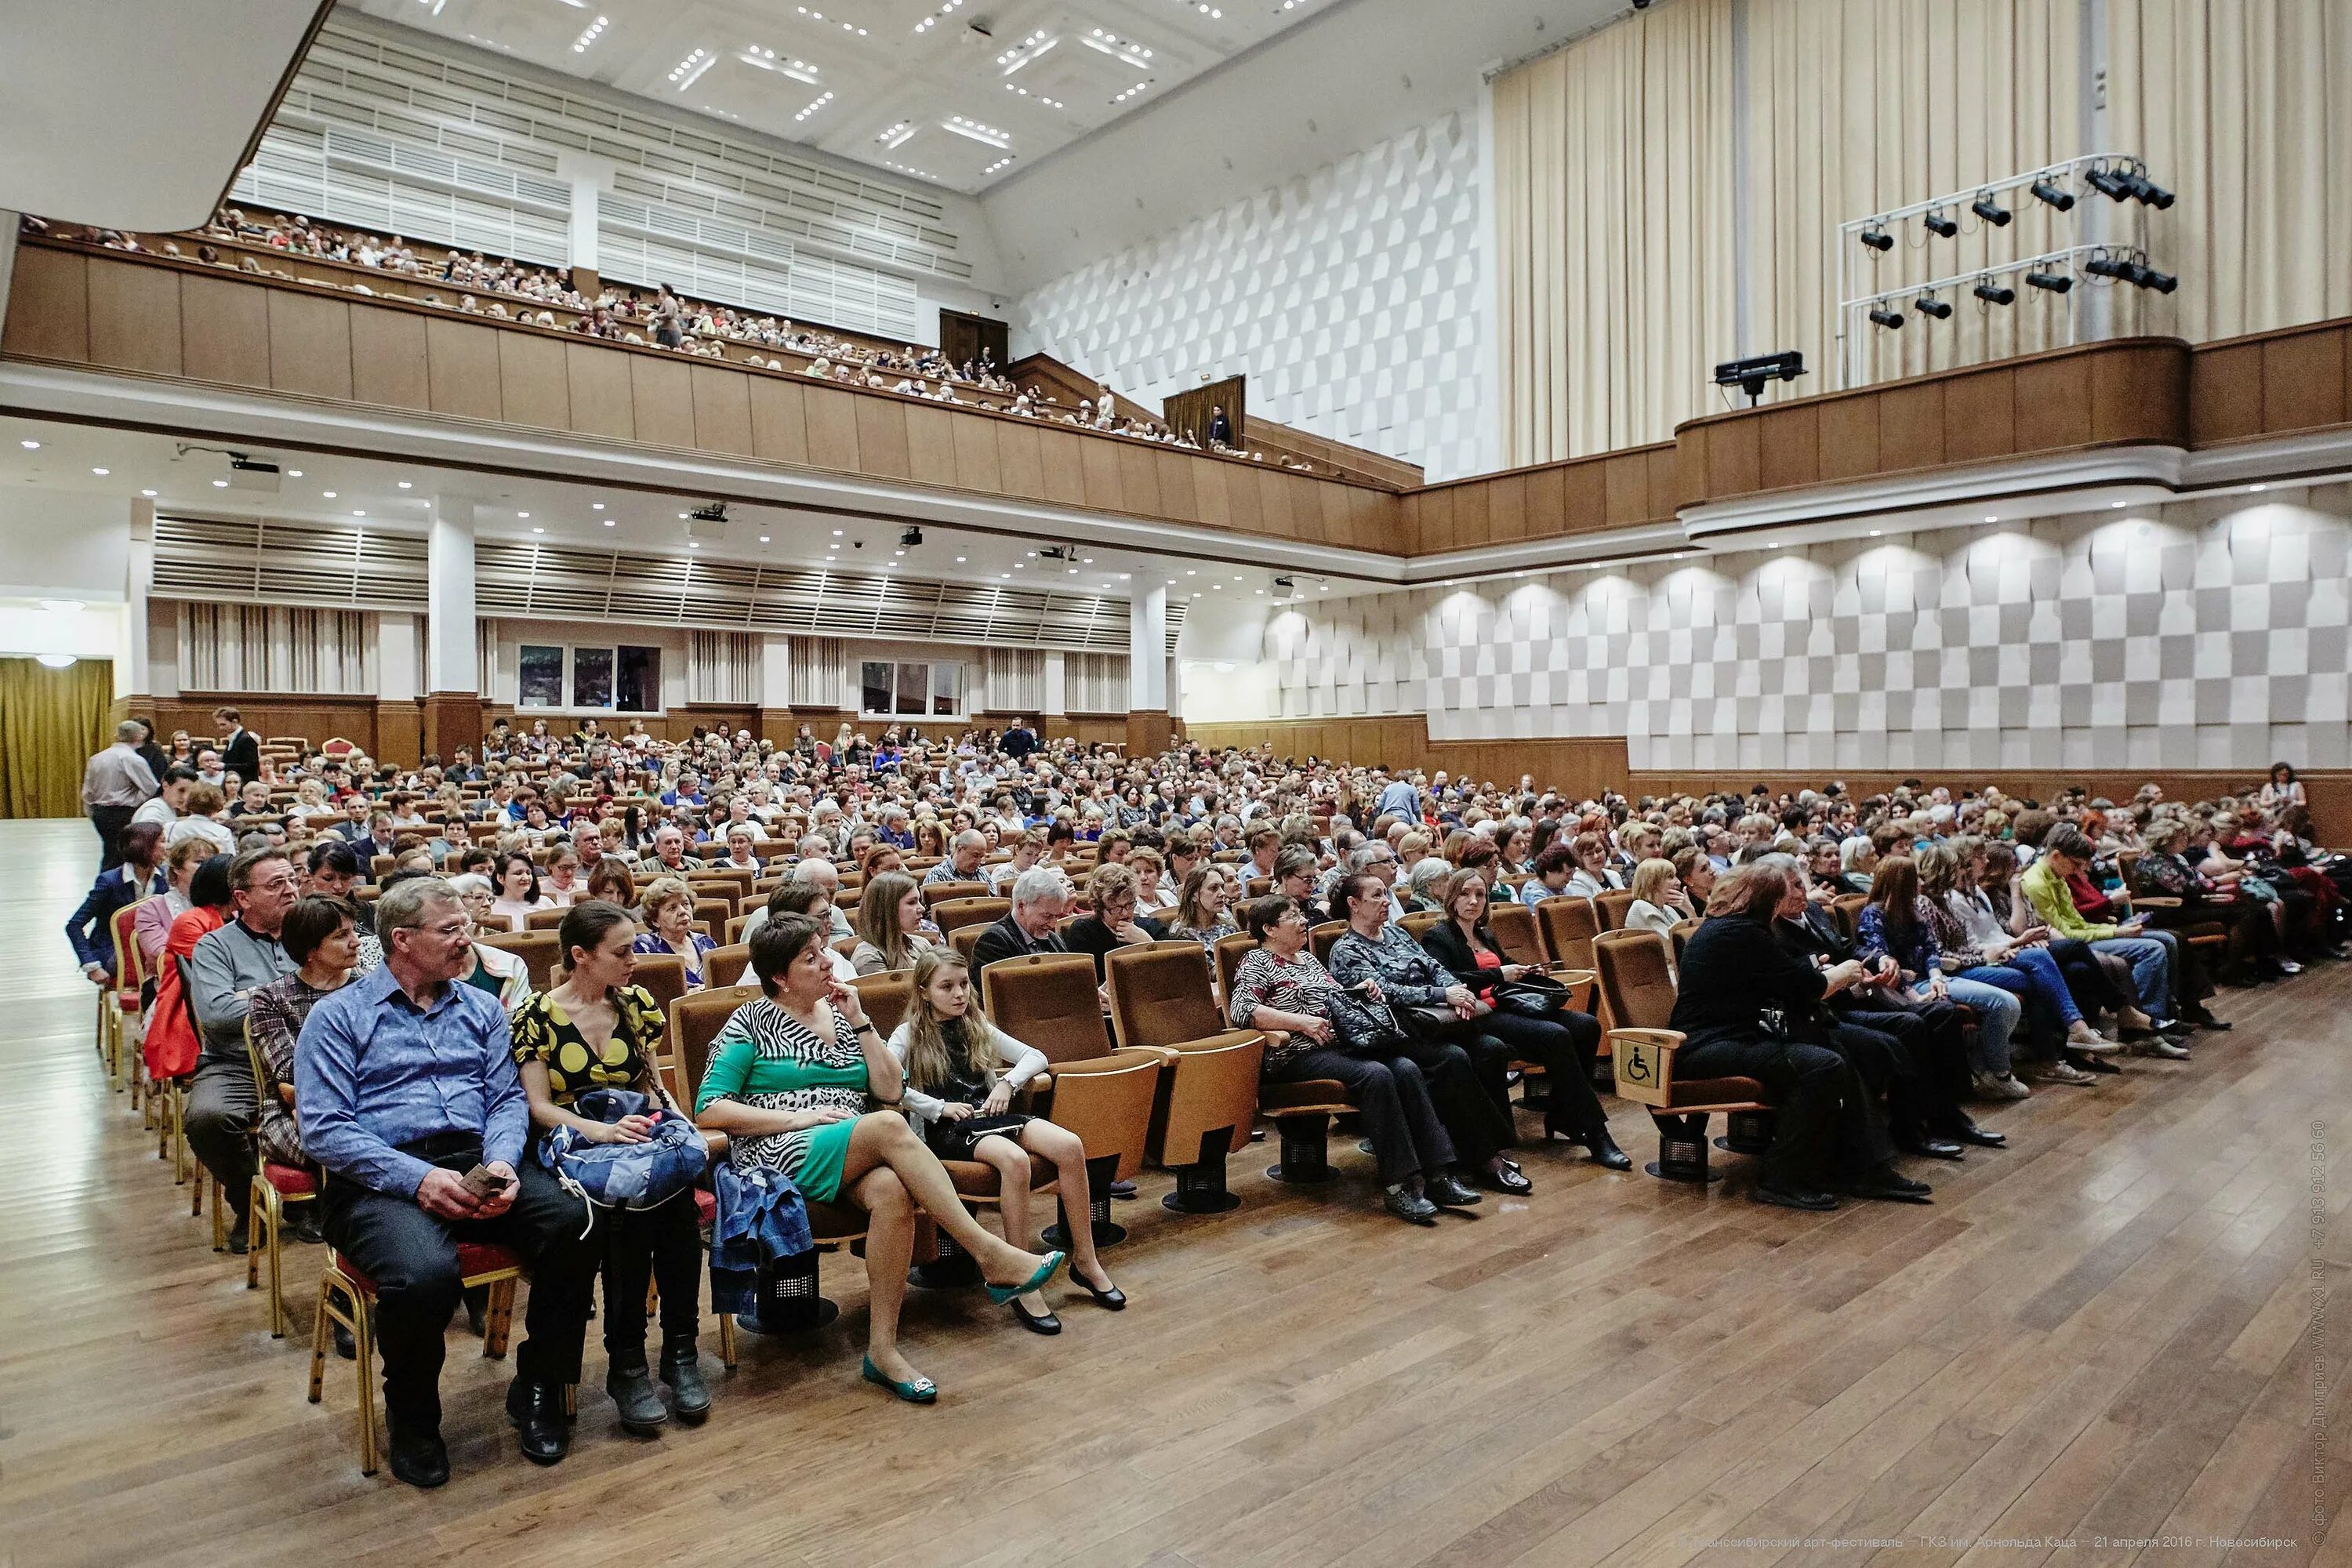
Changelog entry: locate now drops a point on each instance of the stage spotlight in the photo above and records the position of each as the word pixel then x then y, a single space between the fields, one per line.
pixel 2117 267
pixel 2056 195
pixel 2148 191
pixel 1994 293
pixel 2056 282
pixel 1891 320
pixel 1991 211
pixel 1928 305
pixel 2149 278
pixel 1941 225
pixel 1877 238
pixel 2113 183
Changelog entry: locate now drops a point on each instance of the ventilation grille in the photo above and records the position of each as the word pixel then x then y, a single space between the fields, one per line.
pixel 355 78
pixel 270 562
pixel 365 180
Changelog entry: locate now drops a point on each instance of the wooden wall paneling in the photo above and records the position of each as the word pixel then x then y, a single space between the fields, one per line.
pixel 1506 509
pixel 722 412
pixel 534 382
pixel 978 466
pixel 1625 479
pixel 1098 460
pixel 1788 446
pixel 1584 497
pixel 597 382
pixel 388 359
pixel 1981 416
pixel 1911 426
pixel 1692 443
pixel 318 718
pixel 1139 478
pixel 1214 498
pixel 1176 492
pixel 1244 503
pixel 882 438
pixel 1438 534
pixel 1547 502
pixel 1066 474
pixel 134 318
pixel 1660 466
pixel 462 368
pixel 310 345
pixel 47 305
pixel 1373 515
pixel 930 444
pixel 1735 459
pixel 2053 400
pixel 1020 458
pixel 1276 520
pixel 1332 526
pixel 1849 437
pixel 661 395
pixel 779 420
pixel 832 429
pixel 2135 394
pixel 400 732
pixel 2303 380
pixel 2225 393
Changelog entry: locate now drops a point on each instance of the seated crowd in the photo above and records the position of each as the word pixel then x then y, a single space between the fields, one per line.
pixel 518 291
pixel 347 920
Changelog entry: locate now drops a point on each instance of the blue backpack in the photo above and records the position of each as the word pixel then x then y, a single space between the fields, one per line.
pixel 625 1175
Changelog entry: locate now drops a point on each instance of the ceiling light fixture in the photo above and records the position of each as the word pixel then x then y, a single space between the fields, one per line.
pixel 151 494
pixel 822 99
pixel 329 494
pixel 988 135
pixel 782 65
pixel 55 660
pixel 933 20
pixel 1048 102
pixel 1117 48
pixel 2051 193
pixel 293 473
pixel 101 473
pixel 764 538
pixel 404 484
pixel 595 506
pixel 590 34
pixel 63 606
pixel 1989 210
pixel 31 446
pixel 220 484
pixel 896 136
pixel 688 71
pixel 610 522
pixel 1036 47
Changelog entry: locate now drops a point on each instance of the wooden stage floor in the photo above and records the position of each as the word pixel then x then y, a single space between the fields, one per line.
pixel 2099 1336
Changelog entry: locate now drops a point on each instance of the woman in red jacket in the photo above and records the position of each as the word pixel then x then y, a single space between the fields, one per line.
pixel 172 1043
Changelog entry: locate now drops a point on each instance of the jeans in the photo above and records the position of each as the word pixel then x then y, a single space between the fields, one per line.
pixel 1994 991
pixel 2150 957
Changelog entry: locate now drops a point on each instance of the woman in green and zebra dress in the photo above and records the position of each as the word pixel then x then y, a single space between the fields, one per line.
pixel 790 1080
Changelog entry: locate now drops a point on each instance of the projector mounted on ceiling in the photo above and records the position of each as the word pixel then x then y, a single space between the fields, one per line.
pixel 707 524
pixel 249 474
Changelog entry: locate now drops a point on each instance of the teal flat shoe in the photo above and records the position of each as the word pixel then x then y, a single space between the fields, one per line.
pixel 922 1391
pixel 1000 1294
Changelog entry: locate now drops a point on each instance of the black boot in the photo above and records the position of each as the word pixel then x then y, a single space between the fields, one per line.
pixel 1603 1147
pixel 418 1457
pixel 536 1409
pixel 681 1368
pixel 631 1388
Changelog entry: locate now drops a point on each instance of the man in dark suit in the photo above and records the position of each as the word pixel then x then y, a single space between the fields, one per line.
pixel 240 750
pixel 1040 895
pixel 1019 741
pixel 1220 429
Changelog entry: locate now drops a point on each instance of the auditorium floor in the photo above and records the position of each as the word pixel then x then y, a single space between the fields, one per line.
pixel 2099 1332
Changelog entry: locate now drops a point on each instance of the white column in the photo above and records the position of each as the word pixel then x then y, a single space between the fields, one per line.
pixel 395 659
pixel 1146 649
pixel 452 661
pixel 1054 668
pixel 775 690
pixel 588 175
pixel 138 570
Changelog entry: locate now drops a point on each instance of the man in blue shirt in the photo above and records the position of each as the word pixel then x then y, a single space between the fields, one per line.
pixel 405 1082
pixel 1399 798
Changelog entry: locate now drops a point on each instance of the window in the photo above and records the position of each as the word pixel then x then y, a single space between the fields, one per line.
pixel 603 678
pixel 909 688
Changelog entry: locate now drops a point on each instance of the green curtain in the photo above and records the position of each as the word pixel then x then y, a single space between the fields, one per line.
pixel 52 720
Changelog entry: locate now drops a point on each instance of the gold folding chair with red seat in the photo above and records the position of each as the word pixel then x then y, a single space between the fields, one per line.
pixel 1161 999
pixel 1641 992
pixel 123 1007
pixel 347 1297
pixel 938 893
pixel 1301 1111
pixel 1049 1001
pixel 272 1188
pixel 952 915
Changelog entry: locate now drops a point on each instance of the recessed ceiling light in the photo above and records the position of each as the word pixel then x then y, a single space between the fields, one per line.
pixel 1874 533
pixel 1189 572
pixel 149 494
pixel 764 538
pixel 2262 486
pixel 1006 576
pixel 959 559
pixel 1992 516
pixel 220 484
pixel 837 533
pixel 31 446
pixel 609 521
pixel 63 606
pixel 595 506
pixel 1220 587
pixel 2115 506
pixel 359 515
pixel 101 473
pixel 523 514
pixel 690 545
pixel 833 547
pixel 535 529
pixel 329 494
pixel 404 484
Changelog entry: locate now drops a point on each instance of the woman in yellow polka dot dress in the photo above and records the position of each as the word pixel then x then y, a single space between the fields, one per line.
pixel 597 1030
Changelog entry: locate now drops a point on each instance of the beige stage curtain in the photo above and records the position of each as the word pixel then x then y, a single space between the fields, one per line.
pixel 1857 106
pixel 1613 210
pixel 2243 108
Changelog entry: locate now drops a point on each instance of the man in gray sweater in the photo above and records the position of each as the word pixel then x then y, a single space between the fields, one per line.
pixel 223 971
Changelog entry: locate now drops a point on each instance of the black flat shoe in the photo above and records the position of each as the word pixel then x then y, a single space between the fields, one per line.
pixel 1111 1301
pixel 681 1368
pixel 1934 1148
pixel 1891 1186
pixel 1410 1207
pixel 536 1410
pixel 1447 1191
pixel 643 1415
pixel 420 1458
pixel 1046 1324
pixel 345 1346
pixel 2207 1021
pixel 1983 1138
pixel 1793 1198
pixel 1510 1179
pixel 1606 1153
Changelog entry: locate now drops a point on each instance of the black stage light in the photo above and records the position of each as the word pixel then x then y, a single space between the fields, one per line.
pixel 1928 305
pixel 2056 195
pixel 2149 278
pixel 1941 225
pixel 2056 282
pixel 1750 375
pixel 1991 211
pixel 2111 184
pixel 1994 293
pixel 1891 320
pixel 2117 267
pixel 2148 191
pixel 1877 238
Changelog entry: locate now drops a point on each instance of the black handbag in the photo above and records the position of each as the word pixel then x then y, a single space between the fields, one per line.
pixel 1537 995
